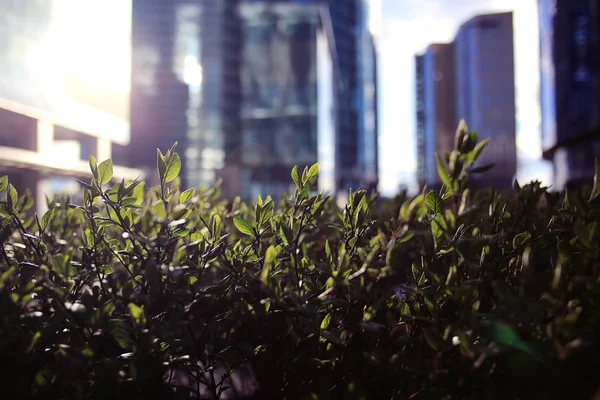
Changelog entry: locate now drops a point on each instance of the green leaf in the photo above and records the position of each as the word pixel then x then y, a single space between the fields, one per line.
pixel 266 213
pixel 444 174
pixel 162 165
pixel 3 183
pixel 595 190
pixel 312 172
pixel 296 177
pixel 173 168
pixel 521 239
pixel 326 321
pixel 137 313
pixel 94 166
pixel 187 195
pixel 268 264
pixel 105 172
pixel 474 154
pixel 283 235
pixel 106 270
pixel 406 238
pixel 138 193
pixel 434 202
pixel 35 339
pixel 13 197
pixel 328 250
pixel 243 226
pixel 47 219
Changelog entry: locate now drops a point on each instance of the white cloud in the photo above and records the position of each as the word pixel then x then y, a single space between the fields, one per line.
pixel 409 26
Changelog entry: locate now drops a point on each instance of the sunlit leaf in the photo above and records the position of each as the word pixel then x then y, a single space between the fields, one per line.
pixel 105 172
pixel 243 226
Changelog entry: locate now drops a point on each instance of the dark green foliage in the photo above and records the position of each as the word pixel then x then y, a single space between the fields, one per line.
pixel 449 295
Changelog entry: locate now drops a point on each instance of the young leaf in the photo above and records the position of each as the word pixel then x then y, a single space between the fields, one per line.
pixel 296 177
pixel 187 195
pixel 595 190
pixel 243 226
pixel 173 168
pixel 162 165
pixel 326 321
pixel 3 183
pixel 266 213
pixel 105 172
pixel 438 225
pixel 521 239
pixel 137 313
pixel 283 235
pixel 474 154
pixel 94 166
pixel 434 202
pixel 443 173
pixel 13 196
pixel 138 193
pixel 46 219
pixel 268 264
pixel 312 172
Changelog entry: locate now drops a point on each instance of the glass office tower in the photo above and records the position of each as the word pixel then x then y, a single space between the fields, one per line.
pixel 287 77
pixel 250 87
pixel 570 88
pixel 471 79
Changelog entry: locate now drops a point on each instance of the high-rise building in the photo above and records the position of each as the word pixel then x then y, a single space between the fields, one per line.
pixel 436 112
pixel 357 97
pixel 485 91
pixel 570 88
pixel 472 79
pixel 185 85
pixel 288 72
pixel 251 88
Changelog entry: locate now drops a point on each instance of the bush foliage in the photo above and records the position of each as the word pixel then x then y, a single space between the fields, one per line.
pixel 162 293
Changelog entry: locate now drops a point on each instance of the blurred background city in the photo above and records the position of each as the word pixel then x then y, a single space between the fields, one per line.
pixel 370 89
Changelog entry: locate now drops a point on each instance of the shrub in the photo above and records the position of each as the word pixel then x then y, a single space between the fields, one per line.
pixel 164 293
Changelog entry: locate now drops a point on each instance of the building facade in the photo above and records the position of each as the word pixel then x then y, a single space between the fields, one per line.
pixel 570 88
pixel 471 79
pixel 436 111
pixel 251 88
pixel 288 84
pixel 63 96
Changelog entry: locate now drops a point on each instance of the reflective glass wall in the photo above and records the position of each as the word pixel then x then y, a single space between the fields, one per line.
pixel 279 94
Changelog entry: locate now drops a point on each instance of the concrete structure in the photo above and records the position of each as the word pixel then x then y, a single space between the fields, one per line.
pixel 471 79
pixel 63 96
pixel 570 88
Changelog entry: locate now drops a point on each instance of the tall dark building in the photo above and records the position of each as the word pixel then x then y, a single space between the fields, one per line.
pixel 471 79
pixel 357 129
pixel 436 112
pixel 570 87
pixel 185 85
pixel 251 88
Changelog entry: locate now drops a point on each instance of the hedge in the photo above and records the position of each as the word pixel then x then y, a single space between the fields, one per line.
pixel 142 293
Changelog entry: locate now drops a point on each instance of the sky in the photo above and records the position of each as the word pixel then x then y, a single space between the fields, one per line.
pixel 406 28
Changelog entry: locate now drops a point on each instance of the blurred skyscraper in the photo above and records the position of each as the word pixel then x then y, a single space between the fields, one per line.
pixel 251 88
pixel 570 87
pixel 471 79
pixel 436 116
